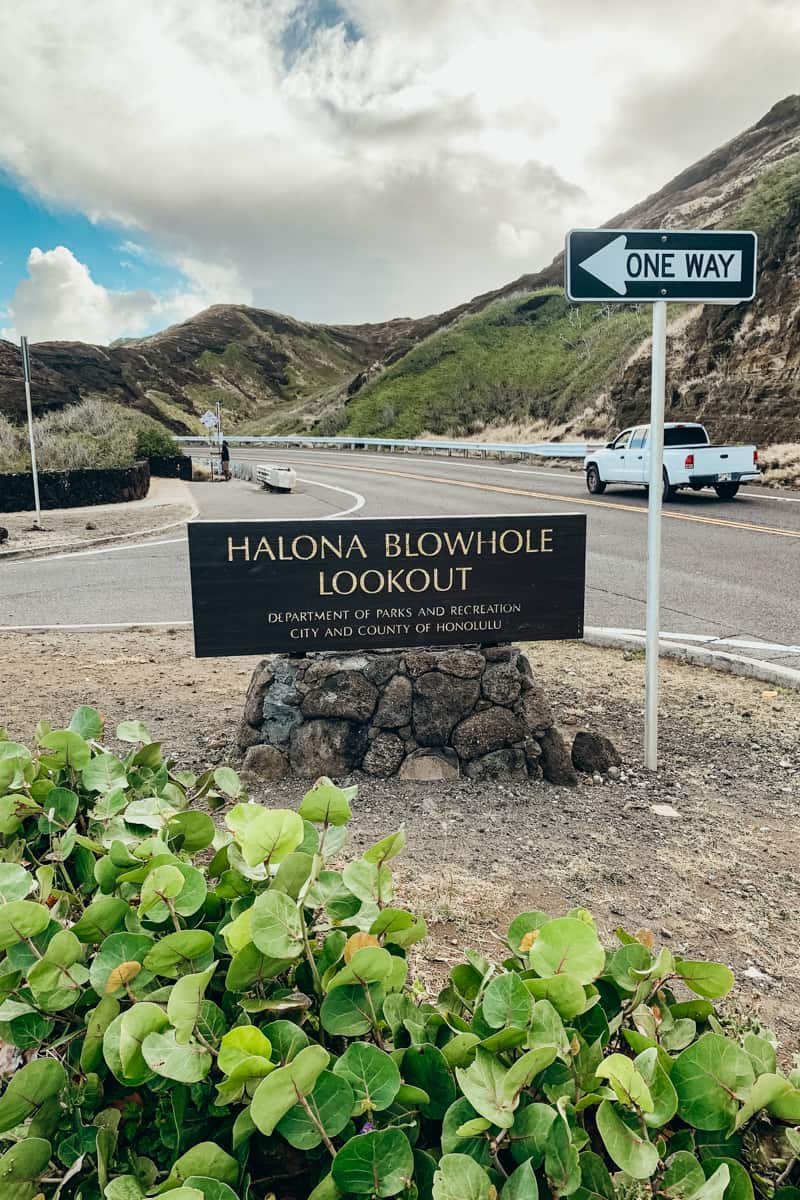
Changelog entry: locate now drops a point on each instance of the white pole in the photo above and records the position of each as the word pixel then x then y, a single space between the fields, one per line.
pixel 26 371
pixel 656 448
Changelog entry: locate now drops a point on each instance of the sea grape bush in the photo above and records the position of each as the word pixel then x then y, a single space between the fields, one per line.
pixel 224 1013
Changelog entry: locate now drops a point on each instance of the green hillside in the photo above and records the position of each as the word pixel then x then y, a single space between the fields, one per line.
pixel 532 357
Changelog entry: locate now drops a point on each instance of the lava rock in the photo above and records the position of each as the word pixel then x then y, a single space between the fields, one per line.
pixel 246 735
pixel 346 694
pixel 394 706
pixel 440 701
pixel 324 666
pixel 486 731
pixel 254 700
pixel 501 683
pixel 327 747
pixel 3 534
pixel 279 721
pixel 556 759
pixel 384 755
pixel 427 764
pixel 382 667
pixel 594 754
pixel 266 762
pixel 500 764
pixel 466 664
pixel 535 710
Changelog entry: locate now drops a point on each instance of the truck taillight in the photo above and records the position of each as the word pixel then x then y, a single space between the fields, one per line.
pixel 755 458
pixel 689 462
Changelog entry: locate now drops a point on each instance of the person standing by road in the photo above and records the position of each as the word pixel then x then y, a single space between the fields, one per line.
pixel 225 457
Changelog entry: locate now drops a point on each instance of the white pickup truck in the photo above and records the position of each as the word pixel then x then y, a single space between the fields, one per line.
pixel 690 461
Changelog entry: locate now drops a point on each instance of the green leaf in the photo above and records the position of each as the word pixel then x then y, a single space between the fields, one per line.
pixel 709 1077
pixel 245 1041
pixel 761 1053
pixel 561 1163
pixel 104 773
pixel 522 1072
pixel 20 1166
pixel 387 848
pixel 160 886
pixel 205 1159
pixel 521 1185
pixel 372 1074
pixel 368 965
pixel 15 882
pixel 67 750
pixel 101 919
pixel 97 1022
pixel 739 1186
pixel 562 991
pixel 682 1177
pixel 568 946
pixel 228 782
pixel 426 1067
pixel 507 1001
pixel 368 881
pixel 629 1087
pixel 185 999
pixel 28 1089
pixel 276 925
pixel 327 804
pixel 133 731
pixel 87 723
pixel 135 1024
pixel 663 1094
pixel 265 834
pixel 279 1092
pixel 626 1146
pixel 380 1163
pixel 530 1131
pixel 187 1063
pixel 330 1102
pixel 482 1084
pixel 116 951
pixel 596 1183
pixel 765 1092
pixel 194 829
pixel 525 923
pixel 21 919
pixel 787 1107
pixel 715 1186
pixel 123 1187
pixel 460 1178
pixel 287 1039
pixel 710 979
pixel 181 953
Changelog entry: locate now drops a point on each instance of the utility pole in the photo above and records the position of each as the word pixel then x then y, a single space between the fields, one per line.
pixel 26 371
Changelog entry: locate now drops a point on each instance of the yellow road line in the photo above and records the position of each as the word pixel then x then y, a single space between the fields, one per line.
pixel 634 508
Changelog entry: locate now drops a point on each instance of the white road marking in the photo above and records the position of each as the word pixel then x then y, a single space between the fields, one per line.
pixel 360 500
pixel 96 625
pixel 708 639
pixel 48 558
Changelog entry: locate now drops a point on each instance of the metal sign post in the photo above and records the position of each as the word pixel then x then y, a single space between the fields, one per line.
pixel 634 266
pixel 656 444
pixel 26 371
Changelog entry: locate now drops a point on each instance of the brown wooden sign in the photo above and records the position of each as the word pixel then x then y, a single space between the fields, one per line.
pixel 263 587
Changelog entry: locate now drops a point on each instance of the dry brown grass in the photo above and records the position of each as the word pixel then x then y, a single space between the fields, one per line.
pixel 781 465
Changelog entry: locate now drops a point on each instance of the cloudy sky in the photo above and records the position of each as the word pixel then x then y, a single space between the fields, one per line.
pixel 344 160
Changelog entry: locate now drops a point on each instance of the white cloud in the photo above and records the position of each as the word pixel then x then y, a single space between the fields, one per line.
pixel 59 301
pixel 395 173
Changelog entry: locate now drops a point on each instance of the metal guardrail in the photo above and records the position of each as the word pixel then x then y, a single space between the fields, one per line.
pixel 392 445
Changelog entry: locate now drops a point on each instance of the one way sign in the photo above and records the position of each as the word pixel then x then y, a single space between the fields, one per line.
pixel 645 265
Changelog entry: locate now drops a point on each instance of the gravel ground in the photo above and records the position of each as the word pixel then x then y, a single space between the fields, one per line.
pixel 715 874
pixel 168 502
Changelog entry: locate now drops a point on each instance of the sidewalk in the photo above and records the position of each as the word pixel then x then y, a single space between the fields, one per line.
pixel 168 504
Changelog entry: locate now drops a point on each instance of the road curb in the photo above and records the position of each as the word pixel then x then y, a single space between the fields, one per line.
pixel 700 656
pixel 110 539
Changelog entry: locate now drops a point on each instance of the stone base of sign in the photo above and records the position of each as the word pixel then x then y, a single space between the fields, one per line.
pixel 417 714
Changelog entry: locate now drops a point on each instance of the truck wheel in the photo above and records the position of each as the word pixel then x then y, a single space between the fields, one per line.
pixel 669 492
pixel 593 481
pixel 726 491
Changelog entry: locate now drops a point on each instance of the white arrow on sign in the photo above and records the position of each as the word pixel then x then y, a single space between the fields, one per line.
pixel 616 266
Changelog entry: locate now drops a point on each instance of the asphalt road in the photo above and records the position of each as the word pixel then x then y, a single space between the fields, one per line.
pixel 731 571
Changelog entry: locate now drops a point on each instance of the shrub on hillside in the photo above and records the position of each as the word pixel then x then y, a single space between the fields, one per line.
pixel 210 1013
pixel 92 434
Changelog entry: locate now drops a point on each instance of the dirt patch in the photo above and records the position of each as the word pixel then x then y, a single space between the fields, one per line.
pixel 719 879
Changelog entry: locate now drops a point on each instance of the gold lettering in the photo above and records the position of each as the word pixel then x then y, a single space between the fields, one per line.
pixel 244 549
pixel 437 544
pixel 391 545
pixel 334 548
pixel 492 540
pixel 296 547
pixel 355 545
pixel 264 548
pixel 458 543
pixel 515 533
pixel 547 541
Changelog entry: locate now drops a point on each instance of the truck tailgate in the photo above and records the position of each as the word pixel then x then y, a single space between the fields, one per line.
pixel 728 461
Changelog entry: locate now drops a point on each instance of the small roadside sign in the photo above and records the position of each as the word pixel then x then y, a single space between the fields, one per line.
pixel 646 265
pixel 210 420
